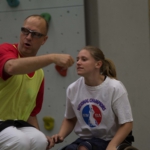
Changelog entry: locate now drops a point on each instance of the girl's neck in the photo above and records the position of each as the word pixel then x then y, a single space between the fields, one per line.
pixel 94 81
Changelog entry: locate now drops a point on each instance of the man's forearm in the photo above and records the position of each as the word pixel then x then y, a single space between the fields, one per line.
pixel 27 64
pixel 30 64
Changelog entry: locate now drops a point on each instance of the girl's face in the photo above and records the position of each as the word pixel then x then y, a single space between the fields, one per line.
pixel 86 64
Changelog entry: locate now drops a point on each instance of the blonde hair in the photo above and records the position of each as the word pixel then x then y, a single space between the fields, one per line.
pixel 108 68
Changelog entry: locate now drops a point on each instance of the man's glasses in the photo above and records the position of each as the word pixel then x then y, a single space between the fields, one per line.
pixel 34 34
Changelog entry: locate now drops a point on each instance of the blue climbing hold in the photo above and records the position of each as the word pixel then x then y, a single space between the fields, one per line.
pixel 13 3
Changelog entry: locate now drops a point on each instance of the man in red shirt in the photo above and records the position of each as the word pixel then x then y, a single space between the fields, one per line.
pixel 19 68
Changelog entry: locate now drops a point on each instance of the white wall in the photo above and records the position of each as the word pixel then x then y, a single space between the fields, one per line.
pixel 123 32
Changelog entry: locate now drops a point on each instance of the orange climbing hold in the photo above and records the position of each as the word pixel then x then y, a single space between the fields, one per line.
pixel 61 70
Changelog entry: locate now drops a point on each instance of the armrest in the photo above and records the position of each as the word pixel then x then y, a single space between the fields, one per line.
pixel 126 146
pixel 122 146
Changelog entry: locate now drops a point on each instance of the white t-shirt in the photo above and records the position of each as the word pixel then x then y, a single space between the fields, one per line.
pixel 100 110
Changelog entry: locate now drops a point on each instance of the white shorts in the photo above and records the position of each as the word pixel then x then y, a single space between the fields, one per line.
pixel 24 138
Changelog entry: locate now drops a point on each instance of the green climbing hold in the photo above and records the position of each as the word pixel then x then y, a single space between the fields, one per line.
pixel 46 16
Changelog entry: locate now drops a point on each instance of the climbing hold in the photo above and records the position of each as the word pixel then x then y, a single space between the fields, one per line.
pixel 48 123
pixel 13 3
pixel 61 70
pixel 46 16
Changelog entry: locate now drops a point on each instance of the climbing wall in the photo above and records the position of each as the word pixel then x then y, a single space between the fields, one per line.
pixel 66 35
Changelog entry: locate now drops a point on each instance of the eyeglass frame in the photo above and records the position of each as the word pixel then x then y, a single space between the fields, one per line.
pixel 33 33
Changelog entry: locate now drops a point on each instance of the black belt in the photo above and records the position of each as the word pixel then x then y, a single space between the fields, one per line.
pixel 1 122
pixel 15 123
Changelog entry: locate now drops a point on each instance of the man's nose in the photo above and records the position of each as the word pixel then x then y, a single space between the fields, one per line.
pixel 29 35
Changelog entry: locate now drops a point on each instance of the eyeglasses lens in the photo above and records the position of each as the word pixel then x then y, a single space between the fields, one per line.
pixel 34 34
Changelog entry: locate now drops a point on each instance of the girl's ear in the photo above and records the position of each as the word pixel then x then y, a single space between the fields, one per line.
pixel 98 64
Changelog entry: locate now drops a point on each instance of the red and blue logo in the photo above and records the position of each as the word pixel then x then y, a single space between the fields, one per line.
pixel 92 115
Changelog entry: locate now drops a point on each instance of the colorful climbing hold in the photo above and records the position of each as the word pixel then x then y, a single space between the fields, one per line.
pixel 61 70
pixel 48 123
pixel 13 3
pixel 46 16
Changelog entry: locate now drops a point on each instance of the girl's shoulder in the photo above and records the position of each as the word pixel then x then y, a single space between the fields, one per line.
pixel 76 83
pixel 115 84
